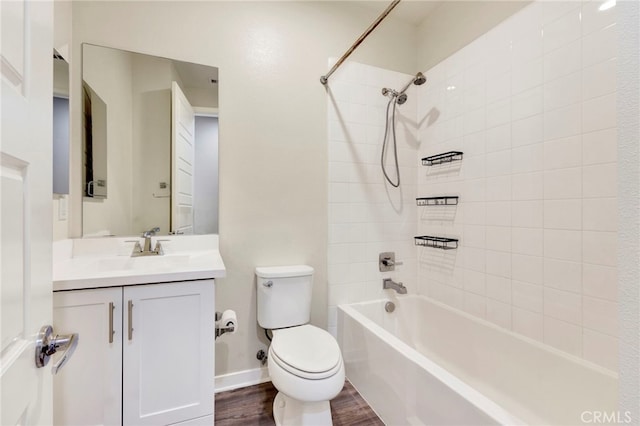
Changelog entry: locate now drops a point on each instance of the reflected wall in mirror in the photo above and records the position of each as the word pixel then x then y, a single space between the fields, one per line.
pixel 150 144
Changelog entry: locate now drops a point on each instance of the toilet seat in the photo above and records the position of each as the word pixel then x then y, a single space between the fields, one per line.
pixel 306 351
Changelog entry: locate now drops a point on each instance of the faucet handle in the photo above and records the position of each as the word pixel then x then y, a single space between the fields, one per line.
pixel 137 248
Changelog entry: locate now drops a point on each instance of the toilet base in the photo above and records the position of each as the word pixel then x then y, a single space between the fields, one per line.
pixel 291 412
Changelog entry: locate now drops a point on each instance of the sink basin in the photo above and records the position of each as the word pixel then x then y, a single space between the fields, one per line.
pixel 143 263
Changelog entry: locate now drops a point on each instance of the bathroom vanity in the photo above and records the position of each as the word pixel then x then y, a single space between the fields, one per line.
pixel 146 331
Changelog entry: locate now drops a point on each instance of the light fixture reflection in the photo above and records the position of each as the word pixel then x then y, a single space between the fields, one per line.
pixel 607 5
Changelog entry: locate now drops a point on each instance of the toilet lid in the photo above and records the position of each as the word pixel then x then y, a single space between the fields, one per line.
pixel 306 348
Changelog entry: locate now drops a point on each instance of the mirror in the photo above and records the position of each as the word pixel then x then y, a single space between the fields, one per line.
pixel 150 144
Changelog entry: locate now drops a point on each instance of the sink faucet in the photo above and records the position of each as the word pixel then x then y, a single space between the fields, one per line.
pixel 146 250
pixel 147 238
pixel 389 283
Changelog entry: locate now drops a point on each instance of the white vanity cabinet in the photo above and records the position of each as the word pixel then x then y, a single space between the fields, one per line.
pixel 145 355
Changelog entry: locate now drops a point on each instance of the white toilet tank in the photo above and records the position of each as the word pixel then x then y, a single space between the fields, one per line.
pixel 284 295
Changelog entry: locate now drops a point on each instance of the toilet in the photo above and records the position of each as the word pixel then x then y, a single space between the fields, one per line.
pixel 304 362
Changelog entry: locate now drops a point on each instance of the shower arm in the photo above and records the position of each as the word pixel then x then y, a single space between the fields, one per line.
pixel 325 78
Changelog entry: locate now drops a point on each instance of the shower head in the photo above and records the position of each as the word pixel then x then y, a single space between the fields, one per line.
pixel 401 96
pixel 418 80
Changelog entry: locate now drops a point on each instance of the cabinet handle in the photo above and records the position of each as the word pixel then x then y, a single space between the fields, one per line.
pixel 130 318
pixel 111 331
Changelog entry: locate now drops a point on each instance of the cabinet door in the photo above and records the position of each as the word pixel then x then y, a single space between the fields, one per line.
pixel 88 391
pixel 168 352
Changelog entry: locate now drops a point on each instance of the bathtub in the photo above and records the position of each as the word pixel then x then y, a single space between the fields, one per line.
pixel 429 364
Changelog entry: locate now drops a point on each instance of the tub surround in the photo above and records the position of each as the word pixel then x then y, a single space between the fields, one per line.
pixel 107 262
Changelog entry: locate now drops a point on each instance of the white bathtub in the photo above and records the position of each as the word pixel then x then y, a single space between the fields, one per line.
pixel 428 364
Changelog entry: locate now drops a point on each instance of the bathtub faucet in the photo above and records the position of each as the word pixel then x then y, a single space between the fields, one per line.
pixel 389 283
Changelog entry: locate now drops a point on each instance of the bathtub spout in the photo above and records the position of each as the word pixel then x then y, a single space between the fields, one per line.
pixel 389 283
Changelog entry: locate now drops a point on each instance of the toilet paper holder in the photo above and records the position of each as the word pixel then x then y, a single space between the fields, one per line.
pixel 221 328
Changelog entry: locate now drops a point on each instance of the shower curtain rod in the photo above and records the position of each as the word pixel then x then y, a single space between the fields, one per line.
pixel 325 78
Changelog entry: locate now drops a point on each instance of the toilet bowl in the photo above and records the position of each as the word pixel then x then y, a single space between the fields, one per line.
pixel 304 362
pixel 306 366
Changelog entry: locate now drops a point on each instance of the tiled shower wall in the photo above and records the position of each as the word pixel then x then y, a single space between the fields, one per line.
pixel 532 104
pixel 366 215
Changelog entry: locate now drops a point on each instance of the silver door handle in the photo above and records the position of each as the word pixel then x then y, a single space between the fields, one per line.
pixel 47 344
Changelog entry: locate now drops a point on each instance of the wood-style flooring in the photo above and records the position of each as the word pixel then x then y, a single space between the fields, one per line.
pixel 253 405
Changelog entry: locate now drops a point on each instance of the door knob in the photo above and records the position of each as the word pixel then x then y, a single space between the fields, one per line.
pixel 47 344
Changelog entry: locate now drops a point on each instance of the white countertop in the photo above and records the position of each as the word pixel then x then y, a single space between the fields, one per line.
pixel 107 262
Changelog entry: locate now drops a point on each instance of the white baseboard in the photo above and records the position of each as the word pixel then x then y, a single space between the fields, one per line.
pixel 241 379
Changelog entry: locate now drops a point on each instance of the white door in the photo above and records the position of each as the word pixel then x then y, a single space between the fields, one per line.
pixel 182 156
pixel 26 71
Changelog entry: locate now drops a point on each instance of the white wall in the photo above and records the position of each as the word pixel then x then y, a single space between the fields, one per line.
pixel 151 88
pixel 629 205
pixel 273 125
pixel 537 222
pixel 367 215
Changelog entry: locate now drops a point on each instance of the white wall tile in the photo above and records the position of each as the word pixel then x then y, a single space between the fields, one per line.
pixel 563 153
pixel 562 31
pixel 498 288
pixel 528 158
pixel 594 19
pixel 527 76
pixel 600 180
pixel 563 275
pixel 563 305
pixel 527 186
pixel 563 122
pixel 562 91
pixel 563 214
pixel 599 79
pixel 498 263
pixel 535 113
pixel 599 113
pixel 600 147
pixel 498 138
pixel 563 245
pixel 600 248
pixel 599 46
pixel 498 238
pixel 527 241
pixel 498 188
pixel 526 104
pixel 600 214
pixel 600 315
pixel 527 268
pixel 527 296
pixel 498 163
pixel 527 214
pixel 563 183
pixel 527 131
pixel 498 113
pixel 563 61
pixel 600 281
